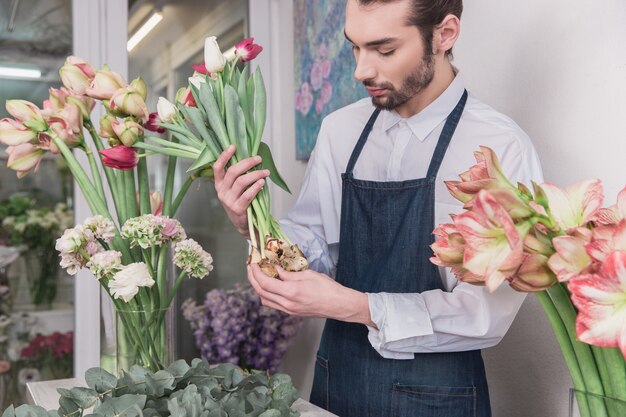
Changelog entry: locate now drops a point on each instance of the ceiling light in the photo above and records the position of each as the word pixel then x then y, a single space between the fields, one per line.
pixel 144 30
pixel 16 72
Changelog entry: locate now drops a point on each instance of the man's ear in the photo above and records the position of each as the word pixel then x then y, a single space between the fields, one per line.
pixel 446 34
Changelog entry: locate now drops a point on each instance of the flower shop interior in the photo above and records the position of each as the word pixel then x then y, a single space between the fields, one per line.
pixel 558 68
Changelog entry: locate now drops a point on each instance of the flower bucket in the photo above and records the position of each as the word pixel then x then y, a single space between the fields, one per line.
pixel 585 404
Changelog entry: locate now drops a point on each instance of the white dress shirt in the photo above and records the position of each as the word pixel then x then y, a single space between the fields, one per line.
pixel 464 316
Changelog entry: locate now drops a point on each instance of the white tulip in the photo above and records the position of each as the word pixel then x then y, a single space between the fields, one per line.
pixel 166 110
pixel 214 60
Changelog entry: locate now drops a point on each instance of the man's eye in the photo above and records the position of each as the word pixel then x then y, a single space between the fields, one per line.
pixel 387 53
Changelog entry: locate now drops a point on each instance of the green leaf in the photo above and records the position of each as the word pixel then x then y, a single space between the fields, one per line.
pixel 125 406
pixel 271 413
pixel 234 80
pixel 236 122
pixel 260 105
pixel 160 382
pixel 179 368
pixel 9 412
pixel 186 133
pixel 268 163
pixel 206 157
pixel 30 411
pixel 100 380
pixel 63 392
pixel 213 112
pixel 246 106
pixel 67 406
pixel 197 119
pixel 83 397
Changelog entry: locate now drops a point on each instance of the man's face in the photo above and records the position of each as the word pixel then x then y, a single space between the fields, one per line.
pixel 392 61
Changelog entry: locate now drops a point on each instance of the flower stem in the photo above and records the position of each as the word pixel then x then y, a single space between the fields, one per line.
pixel 144 185
pixel 181 194
pixel 169 186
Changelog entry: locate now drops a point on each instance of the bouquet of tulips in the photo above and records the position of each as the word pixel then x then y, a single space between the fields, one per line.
pixel 560 244
pixel 225 105
pixel 125 245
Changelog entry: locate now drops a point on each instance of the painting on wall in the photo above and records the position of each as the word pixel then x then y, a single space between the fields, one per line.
pixel 324 65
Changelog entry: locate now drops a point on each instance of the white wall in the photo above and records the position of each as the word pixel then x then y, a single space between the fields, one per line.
pixel 559 69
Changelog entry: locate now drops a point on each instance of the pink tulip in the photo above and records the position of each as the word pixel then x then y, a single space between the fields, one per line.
pixel 247 50
pixel 129 101
pixel 576 205
pixel 185 97
pixel 493 243
pixel 24 158
pixel 120 157
pixel 533 274
pixel 13 133
pixel 599 298
pixel 201 69
pixel 571 258
pixel 613 214
pixel 128 131
pixel 104 84
pixel 76 75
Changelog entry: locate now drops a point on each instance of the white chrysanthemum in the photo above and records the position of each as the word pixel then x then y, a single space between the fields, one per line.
pixel 191 258
pixel 101 227
pixel 126 282
pixel 106 263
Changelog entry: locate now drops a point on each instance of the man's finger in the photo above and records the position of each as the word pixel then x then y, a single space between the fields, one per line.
pixel 287 275
pixel 240 168
pixel 221 161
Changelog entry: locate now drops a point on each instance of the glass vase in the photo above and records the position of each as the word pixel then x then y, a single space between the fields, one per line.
pixel 585 404
pixel 42 273
pixel 143 337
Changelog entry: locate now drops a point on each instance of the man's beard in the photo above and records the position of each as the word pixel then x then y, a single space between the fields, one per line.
pixel 412 85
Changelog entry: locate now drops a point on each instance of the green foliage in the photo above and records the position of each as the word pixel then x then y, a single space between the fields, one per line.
pixel 181 390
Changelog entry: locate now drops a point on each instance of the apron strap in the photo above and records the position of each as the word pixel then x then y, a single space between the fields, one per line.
pixel 446 135
pixel 359 146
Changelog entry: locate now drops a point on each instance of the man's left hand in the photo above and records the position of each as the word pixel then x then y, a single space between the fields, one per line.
pixel 311 294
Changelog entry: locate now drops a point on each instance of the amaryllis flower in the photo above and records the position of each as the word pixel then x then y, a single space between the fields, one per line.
pixel 76 74
pixel 570 258
pixel 493 243
pixel 129 101
pixel 485 174
pixel 599 298
pixel 26 113
pixel 606 239
pixel 153 123
pixel 120 157
pixel 449 246
pixel 128 131
pixel 13 133
pixel 104 84
pixel 191 258
pixel 613 214
pixel 576 205
pixel 24 158
pixel 247 50
pixel 533 274
pixel 126 282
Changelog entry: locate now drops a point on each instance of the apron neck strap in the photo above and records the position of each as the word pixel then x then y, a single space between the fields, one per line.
pixel 359 146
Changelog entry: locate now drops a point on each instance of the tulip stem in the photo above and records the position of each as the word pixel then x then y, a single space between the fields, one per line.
pixel 169 186
pixel 95 173
pixel 144 185
pixel 181 194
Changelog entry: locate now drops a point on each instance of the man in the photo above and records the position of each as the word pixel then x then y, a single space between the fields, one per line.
pixel 402 337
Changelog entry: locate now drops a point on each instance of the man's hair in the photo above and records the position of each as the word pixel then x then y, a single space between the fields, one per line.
pixel 426 15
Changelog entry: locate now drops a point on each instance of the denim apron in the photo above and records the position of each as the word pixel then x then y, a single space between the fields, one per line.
pixel 386 230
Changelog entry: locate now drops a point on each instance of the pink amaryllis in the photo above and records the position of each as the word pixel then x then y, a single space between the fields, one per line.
pixel 120 157
pixel 533 274
pixel 493 242
pixel 13 133
pixel 600 300
pixel 606 239
pixel 76 74
pixel 24 158
pixel 571 257
pixel 613 214
pixel 575 205
pixel 247 50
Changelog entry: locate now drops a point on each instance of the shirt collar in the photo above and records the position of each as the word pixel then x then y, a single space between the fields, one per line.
pixel 424 122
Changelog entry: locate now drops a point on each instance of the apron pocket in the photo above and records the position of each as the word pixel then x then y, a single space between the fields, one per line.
pixel 431 401
pixel 319 392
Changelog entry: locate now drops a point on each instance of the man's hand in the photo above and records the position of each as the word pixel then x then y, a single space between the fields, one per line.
pixel 236 187
pixel 311 294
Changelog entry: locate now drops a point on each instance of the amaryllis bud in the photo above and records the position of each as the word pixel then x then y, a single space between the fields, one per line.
pixel 76 75
pixel 104 84
pixel 106 126
pixel 58 97
pixel 128 131
pixel 128 101
pixel 27 113
pixel 84 103
pixel 153 123
pixel 214 60
pixel 24 158
pixel 166 110
pixel 120 157
pixel 140 85
pixel 13 133
pixel 247 50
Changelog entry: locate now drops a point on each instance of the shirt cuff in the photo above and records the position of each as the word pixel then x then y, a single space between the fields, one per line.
pixel 397 317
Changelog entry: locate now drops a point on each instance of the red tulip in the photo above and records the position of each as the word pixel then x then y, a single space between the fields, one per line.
pixel 247 50
pixel 120 157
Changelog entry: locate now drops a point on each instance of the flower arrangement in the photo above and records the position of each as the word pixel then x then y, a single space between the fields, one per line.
pixel 52 353
pixel 35 229
pixel 232 326
pixel 560 244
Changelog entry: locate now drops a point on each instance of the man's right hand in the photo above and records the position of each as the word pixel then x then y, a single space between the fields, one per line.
pixel 236 187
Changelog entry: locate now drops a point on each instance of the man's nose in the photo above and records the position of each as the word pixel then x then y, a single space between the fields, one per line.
pixel 364 69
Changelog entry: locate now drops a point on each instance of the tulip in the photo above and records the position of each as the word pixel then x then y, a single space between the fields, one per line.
pixel 613 214
pixel 247 50
pixel 128 131
pixel 13 133
pixel 576 205
pixel 533 274
pixel 140 85
pixel 156 203
pixel 493 243
pixel 201 69
pixel 599 298
pixel 153 123
pixel 185 97
pixel 214 60
pixel 197 81
pixel 129 101
pixel 570 258
pixel 104 84
pixel 120 157
pixel 26 113
pixel 166 110
pixel 76 75
pixel 24 158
